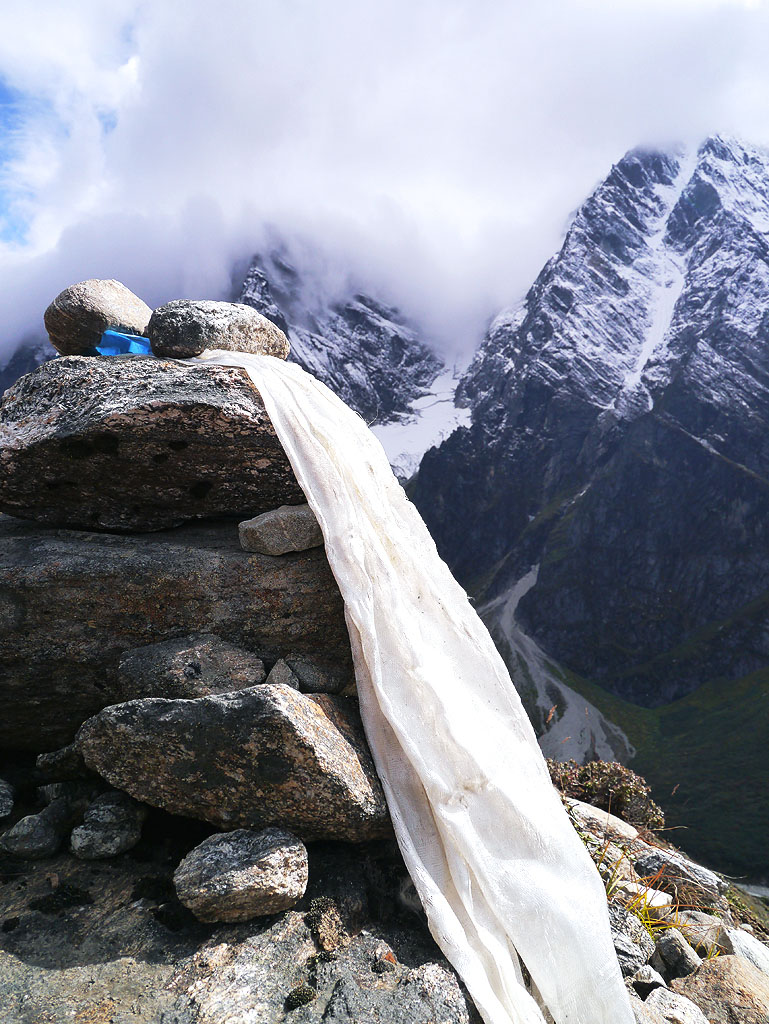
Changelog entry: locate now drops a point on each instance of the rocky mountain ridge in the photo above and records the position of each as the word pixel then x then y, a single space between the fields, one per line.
pixel 618 452
pixel 363 350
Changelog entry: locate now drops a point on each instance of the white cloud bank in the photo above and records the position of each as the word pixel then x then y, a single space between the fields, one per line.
pixel 435 146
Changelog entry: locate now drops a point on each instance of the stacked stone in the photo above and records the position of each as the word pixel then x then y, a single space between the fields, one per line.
pixel 190 660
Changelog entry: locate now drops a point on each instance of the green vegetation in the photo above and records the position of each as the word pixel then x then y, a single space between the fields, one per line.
pixel 706 757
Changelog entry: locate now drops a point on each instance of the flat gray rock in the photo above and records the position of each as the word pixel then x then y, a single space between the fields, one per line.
pixel 632 943
pixel 134 443
pixel 263 756
pixel 192 666
pixel 78 316
pixel 240 875
pixel 185 327
pixel 72 604
pixel 284 529
pixel 112 824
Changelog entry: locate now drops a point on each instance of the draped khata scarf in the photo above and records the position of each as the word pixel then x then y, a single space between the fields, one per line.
pixel 503 877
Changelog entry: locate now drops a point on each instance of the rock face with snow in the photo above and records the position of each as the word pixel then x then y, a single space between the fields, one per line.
pixel 363 350
pixel 618 457
pixel 619 434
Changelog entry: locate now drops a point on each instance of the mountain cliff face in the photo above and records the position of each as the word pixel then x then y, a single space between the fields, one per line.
pixel 619 436
pixel 618 455
pixel 364 351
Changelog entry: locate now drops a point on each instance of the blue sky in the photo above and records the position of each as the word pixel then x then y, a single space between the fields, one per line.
pixel 438 147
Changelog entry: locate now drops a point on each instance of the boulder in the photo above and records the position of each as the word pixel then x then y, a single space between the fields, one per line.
pixel 284 529
pixel 192 666
pixel 72 604
pixel 679 870
pixel 6 798
pixel 40 835
pixel 185 327
pixel 673 956
pixel 632 943
pixel 78 316
pixel 134 443
pixel 280 673
pixel 728 989
pixel 112 824
pixel 240 875
pixel 743 944
pixel 248 759
pixel 601 823
pixel 646 979
pixel 675 1008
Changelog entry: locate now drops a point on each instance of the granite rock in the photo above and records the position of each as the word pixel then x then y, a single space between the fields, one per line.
pixel 134 443
pixel 239 875
pixel 675 1008
pixel 262 756
pixel 192 666
pixel 112 824
pixel 728 989
pixel 284 529
pixel 185 327
pixel 78 316
pixel 673 956
pixel 72 604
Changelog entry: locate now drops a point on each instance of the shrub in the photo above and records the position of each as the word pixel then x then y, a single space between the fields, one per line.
pixel 610 786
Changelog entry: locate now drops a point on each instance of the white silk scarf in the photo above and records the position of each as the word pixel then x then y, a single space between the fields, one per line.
pixel 501 873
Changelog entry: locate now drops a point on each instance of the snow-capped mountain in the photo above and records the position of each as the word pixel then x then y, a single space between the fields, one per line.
pixel 618 455
pixel 362 349
pixel 31 353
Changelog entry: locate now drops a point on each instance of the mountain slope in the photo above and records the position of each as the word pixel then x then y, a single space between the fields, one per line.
pixel 619 433
pixel 363 350
pixel 619 446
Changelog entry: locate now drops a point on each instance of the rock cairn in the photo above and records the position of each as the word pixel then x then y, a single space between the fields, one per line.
pixel 185 784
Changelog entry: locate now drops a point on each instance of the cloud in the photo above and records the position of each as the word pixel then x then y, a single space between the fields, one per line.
pixel 436 147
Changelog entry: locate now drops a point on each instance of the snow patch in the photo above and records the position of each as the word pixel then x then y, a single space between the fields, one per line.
pixel 429 421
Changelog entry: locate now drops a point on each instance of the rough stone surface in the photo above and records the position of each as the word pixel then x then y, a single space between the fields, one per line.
pixel 643 1013
pixel 111 825
pixel 78 316
pixel 107 941
pixel 729 990
pixel 316 678
pixel 705 932
pixel 673 956
pixel 6 798
pixel 680 870
pixel 743 944
pixel 601 823
pixel 136 443
pixel 71 604
pixel 284 529
pixel 280 673
pixel 185 327
pixel 236 876
pixel 63 765
pixel 192 666
pixel 263 756
pixel 675 1008
pixel 41 835
pixel 632 942
pixel 646 979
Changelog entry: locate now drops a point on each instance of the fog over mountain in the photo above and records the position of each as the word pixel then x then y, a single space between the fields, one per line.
pixel 434 151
